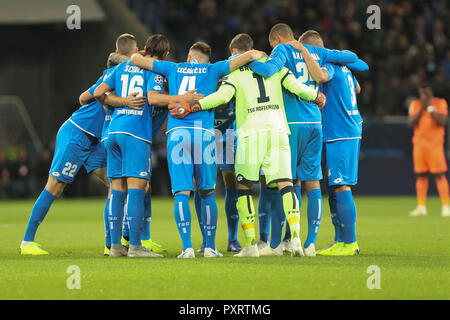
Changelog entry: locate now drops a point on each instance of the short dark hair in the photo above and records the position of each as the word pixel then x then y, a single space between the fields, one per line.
pixel 282 30
pixel 311 37
pixel 157 45
pixel 242 42
pixel 126 43
pixel 202 47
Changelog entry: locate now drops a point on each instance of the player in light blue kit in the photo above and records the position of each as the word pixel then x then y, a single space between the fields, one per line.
pixel 305 123
pixel 190 143
pixel 77 144
pixel 342 131
pixel 129 156
pixel 125 47
pixel 129 152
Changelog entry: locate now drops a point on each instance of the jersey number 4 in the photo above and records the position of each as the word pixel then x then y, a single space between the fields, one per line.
pixel 187 84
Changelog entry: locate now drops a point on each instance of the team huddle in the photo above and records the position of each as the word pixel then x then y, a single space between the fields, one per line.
pixel 254 118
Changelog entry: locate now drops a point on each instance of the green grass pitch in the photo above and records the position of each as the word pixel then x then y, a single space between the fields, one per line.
pixel 412 254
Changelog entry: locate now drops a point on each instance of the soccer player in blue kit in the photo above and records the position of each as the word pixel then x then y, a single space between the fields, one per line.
pixel 191 143
pixel 305 123
pixel 77 144
pixel 129 152
pixel 342 131
pixel 126 45
pixel 129 162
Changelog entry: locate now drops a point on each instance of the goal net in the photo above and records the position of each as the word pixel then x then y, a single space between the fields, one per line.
pixel 15 123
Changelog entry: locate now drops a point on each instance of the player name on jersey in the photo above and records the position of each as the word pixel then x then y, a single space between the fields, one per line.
pixel 133 69
pixel 298 55
pixel 188 70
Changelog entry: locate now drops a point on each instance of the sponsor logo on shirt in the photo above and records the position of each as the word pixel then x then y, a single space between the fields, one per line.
pixel 130 112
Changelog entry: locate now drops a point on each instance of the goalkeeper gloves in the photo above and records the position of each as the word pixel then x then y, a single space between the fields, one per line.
pixel 180 109
pixel 320 100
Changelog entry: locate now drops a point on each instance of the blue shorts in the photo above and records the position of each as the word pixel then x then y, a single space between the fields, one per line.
pixel 191 153
pixel 306 151
pixel 128 157
pixel 75 148
pixel 342 162
pixel 226 149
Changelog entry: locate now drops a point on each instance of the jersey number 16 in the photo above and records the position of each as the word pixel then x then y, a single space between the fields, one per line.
pixel 136 84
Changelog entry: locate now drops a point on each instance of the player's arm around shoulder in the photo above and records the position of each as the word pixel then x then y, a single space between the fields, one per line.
pixel 243 59
pixel 223 95
pixel 319 75
pixel 180 109
pixel 142 62
pixel 295 86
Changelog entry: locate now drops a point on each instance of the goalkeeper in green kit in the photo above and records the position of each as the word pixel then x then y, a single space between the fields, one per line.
pixel 263 138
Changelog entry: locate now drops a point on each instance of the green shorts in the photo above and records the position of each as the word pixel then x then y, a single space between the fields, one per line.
pixel 266 151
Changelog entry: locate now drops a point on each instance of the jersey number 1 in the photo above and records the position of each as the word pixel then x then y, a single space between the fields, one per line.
pixel 262 89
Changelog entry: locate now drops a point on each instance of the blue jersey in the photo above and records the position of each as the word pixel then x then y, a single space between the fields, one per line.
pixel 159 116
pixel 183 77
pixel 126 79
pixel 109 110
pixel 90 118
pixel 225 117
pixel 341 118
pixel 284 55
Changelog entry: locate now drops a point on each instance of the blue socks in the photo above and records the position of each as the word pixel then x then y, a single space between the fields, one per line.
pixel 135 213
pixel 40 209
pixel 116 214
pixel 105 219
pixel 145 235
pixel 126 227
pixel 314 215
pixel 347 215
pixel 198 211
pixel 264 213
pixel 278 218
pixel 209 217
pixel 183 219
pixel 334 215
pixel 231 213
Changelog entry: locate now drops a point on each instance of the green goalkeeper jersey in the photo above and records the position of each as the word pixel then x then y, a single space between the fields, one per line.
pixel 259 101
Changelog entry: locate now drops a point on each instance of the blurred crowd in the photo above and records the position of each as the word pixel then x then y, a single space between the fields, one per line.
pixel 411 47
pixel 22 175
pixel 24 172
